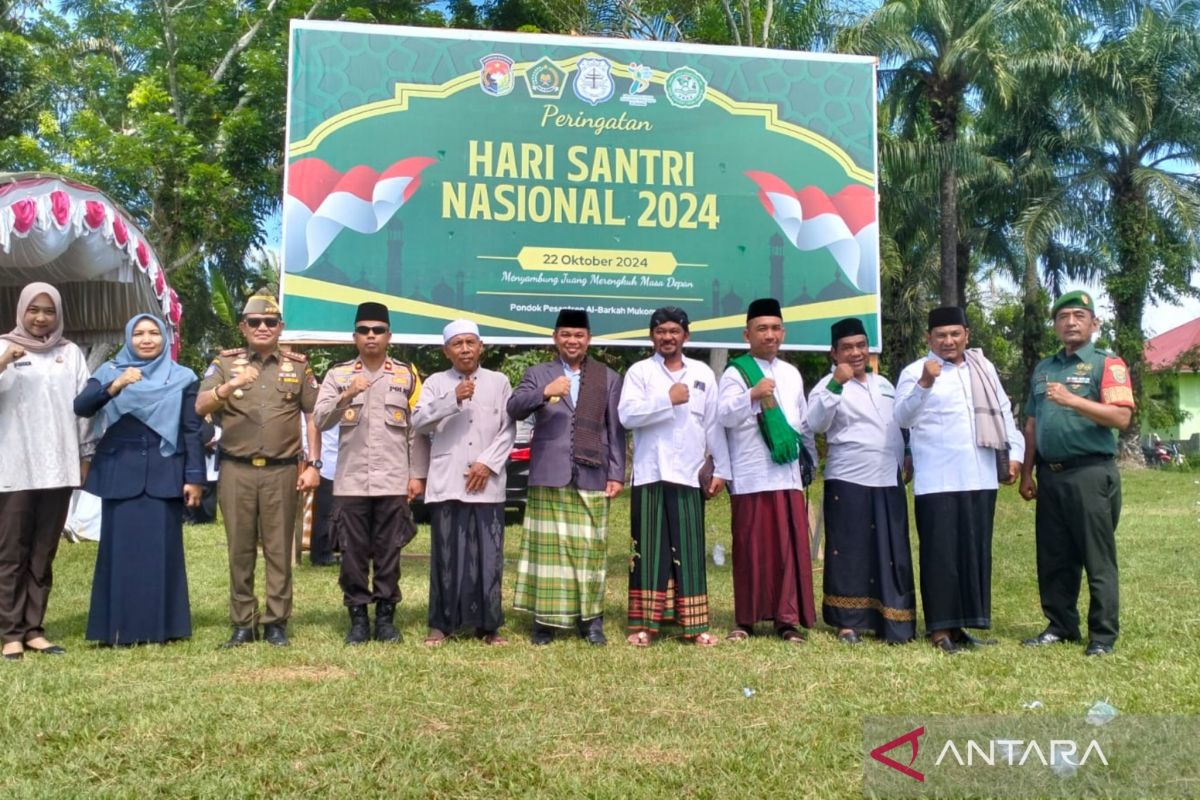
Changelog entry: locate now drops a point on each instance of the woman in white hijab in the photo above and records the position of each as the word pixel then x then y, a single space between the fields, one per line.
pixel 43 445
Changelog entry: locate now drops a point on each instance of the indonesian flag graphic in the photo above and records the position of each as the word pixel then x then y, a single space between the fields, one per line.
pixel 321 202
pixel 844 223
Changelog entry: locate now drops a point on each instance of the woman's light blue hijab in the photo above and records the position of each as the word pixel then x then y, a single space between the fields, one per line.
pixel 157 399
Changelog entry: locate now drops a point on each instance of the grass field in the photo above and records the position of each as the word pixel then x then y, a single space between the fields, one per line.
pixel 465 720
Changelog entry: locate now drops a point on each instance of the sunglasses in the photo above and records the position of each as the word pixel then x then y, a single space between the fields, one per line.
pixel 378 330
pixel 258 322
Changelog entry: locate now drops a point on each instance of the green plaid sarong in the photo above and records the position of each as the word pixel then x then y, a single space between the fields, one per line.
pixel 560 572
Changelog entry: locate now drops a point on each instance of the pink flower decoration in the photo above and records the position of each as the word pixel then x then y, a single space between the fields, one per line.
pixel 25 212
pixel 175 314
pixel 120 232
pixel 160 283
pixel 60 206
pixel 93 215
pixel 143 255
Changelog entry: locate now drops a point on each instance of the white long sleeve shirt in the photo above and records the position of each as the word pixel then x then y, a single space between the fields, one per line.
pixel 41 439
pixel 941 426
pixel 461 434
pixel 669 441
pixel 865 446
pixel 750 460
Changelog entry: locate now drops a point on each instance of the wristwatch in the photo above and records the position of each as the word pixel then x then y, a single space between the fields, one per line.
pixel 316 464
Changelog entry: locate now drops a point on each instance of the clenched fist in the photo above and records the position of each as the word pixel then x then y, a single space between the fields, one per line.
pixel 764 388
pixel 10 355
pixel 559 387
pixel 130 376
pixel 1059 393
pixel 465 390
pixel 679 394
pixel 929 373
pixel 357 386
pixel 244 378
pixel 843 374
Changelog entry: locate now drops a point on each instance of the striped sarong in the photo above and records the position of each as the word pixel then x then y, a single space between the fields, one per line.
pixel 667 578
pixel 561 568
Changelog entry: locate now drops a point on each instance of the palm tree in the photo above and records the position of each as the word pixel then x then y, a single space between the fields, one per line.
pixel 1127 182
pixel 939 57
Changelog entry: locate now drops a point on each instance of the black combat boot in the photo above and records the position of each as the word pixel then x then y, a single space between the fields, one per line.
pixel 385 630
pixel 360 625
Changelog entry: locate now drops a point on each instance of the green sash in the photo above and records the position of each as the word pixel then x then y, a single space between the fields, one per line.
pixel 784 441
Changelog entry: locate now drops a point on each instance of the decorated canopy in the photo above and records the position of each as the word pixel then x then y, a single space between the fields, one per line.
pixel 75 237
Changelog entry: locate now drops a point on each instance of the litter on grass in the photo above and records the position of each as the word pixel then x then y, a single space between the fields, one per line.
pixel 1100 713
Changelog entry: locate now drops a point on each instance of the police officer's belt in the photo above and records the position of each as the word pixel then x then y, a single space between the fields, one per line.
pixel 260 461
pixel 1073 463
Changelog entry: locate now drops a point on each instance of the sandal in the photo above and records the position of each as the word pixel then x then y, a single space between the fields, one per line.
pixel 639 639
pixel 435 638
pixel 705 639
pixel 791 636
pixel 737 635
pixel 493 639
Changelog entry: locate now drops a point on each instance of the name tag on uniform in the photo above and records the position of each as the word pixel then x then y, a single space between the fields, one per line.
pixel 1078 380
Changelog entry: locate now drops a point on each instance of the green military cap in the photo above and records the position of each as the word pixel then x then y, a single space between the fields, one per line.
pixel 261 304
pixel 1075 299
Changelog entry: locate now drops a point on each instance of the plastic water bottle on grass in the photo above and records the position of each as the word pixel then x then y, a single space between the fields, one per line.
pixel 719 555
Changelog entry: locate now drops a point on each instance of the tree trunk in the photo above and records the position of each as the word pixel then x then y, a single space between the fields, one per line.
pixel 1127 288
pixel 962 260
pixel 1031 322
pixel 718 358
pixel 948 192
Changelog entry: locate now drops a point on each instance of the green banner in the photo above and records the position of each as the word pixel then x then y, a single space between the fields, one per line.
pixel 502 177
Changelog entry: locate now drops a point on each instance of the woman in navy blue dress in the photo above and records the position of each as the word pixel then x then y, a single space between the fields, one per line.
pixel 149 463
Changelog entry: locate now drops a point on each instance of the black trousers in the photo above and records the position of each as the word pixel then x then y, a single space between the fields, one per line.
pixel 372 530
pixel 1077 514
pixel 321 545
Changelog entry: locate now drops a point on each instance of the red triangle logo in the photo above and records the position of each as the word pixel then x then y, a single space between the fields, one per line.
pixel 912 740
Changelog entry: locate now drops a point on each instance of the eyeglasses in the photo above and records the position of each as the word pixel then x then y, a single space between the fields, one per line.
pixel 258 322
pixel 378 330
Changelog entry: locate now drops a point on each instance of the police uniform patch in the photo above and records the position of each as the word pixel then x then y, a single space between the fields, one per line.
pixel 212 369
pixel 350 415
pixel 1118 372
pixel 286 367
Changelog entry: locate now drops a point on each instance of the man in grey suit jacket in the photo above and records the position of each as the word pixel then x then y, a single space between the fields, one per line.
pixel 576 466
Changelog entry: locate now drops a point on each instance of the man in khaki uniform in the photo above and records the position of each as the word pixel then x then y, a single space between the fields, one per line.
pixel 259 391
pixel 371 399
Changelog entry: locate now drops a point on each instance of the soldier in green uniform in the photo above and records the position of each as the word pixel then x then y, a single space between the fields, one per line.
pixel 1077 397
pixel 259 391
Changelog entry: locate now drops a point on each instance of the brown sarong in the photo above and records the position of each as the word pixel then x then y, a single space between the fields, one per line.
pixel 772 569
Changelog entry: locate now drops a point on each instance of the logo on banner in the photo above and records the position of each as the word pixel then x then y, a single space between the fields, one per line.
pixel 594 81
pixel 545 79
pixel 496 78
pixel 641 75
pixel 685 88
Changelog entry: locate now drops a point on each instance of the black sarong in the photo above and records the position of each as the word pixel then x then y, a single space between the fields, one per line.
pixel 868 567
pixel 466 566
pixel 955 529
